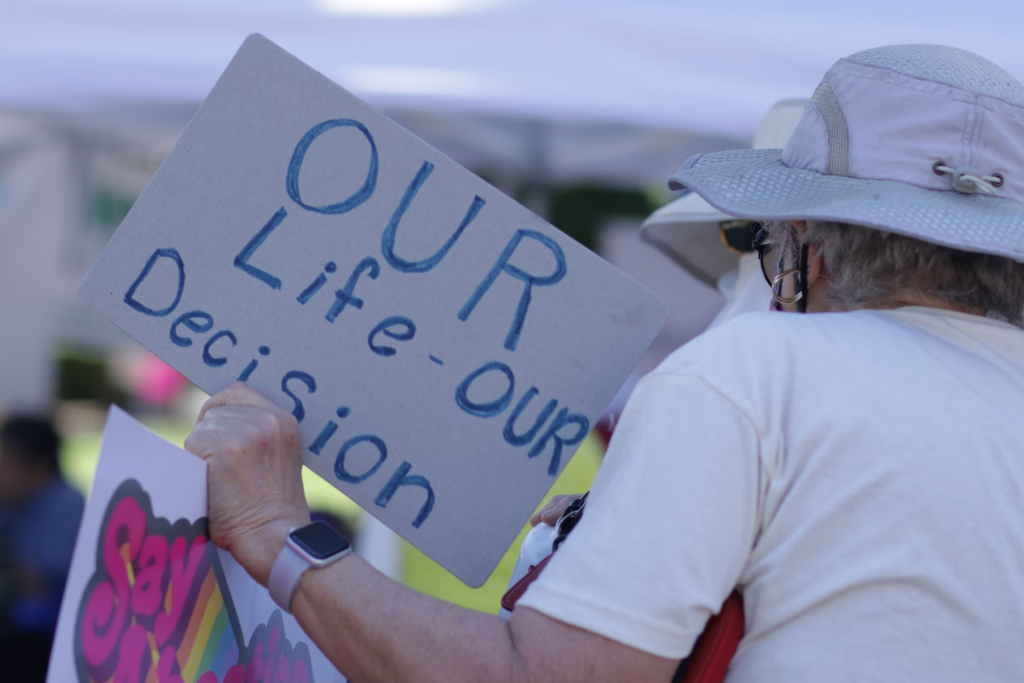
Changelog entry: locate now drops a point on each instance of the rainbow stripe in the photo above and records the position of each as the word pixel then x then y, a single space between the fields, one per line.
pixel 209 643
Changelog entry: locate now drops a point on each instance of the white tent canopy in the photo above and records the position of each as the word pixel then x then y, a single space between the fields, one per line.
pixel 616 92
pixel 710 67
pixel 617 89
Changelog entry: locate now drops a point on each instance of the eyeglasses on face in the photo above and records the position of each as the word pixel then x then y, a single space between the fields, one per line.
pixel 774 273
pixel 764 254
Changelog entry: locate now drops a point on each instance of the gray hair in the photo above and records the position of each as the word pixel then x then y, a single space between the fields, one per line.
pixel 872 268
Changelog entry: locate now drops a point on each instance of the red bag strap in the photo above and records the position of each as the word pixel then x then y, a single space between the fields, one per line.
pixel 509 600
pixel 714 650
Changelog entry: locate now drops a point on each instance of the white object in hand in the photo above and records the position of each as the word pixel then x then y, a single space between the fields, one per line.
pixel 537 545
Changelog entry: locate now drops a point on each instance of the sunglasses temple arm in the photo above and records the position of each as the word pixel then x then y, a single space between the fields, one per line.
pixel 801 305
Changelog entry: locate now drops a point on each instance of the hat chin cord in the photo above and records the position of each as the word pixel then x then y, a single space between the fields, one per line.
pixel 800 298
pixel 801 305
pixel 969 180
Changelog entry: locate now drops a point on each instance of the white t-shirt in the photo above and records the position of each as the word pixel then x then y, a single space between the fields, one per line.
pixel 859 476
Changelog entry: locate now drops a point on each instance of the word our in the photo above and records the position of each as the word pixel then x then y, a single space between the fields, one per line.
pixel 556 426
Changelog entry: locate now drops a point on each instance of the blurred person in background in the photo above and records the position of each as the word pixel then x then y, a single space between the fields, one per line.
pixel 855 472
pixel 715 248
pixel 39 518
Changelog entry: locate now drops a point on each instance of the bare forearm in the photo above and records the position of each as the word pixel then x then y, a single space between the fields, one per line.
pixel 376 630
pixel 372 628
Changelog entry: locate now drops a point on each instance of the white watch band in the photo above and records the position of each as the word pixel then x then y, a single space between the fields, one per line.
pixel 285 576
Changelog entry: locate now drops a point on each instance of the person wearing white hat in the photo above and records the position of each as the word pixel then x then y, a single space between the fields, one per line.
pixel 713 247
pixel 856 473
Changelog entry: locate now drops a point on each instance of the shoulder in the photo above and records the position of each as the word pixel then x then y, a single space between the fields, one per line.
pixel 762 354
pixel 762 335
pixel 745 341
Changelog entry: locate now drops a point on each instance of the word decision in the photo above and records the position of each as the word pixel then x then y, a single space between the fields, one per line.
pixel 443 349
pixel 565 429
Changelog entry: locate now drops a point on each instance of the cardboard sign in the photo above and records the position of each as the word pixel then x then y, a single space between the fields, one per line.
pixel 444 349
pixel 149 597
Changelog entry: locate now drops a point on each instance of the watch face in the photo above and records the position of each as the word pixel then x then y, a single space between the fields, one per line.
pixel 320 540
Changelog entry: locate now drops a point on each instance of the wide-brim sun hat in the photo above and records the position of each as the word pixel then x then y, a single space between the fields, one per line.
pixel 687 229
pixel 921 140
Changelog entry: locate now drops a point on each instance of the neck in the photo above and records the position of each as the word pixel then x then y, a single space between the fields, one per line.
pixel 903 299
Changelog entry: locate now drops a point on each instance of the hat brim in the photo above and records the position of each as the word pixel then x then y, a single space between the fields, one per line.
pixel 755 184
pixel 695 247
pixel 686 231
pixel 687 210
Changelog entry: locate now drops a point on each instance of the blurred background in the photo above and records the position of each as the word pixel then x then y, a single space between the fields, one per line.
pixel 579 109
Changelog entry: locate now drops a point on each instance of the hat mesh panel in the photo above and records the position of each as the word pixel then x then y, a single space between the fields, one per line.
pixel 825 100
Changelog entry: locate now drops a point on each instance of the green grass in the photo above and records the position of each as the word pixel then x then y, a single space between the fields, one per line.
pixel 81 453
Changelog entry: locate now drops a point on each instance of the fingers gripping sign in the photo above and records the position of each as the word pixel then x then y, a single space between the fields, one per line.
pixel 555 508
pixel 251 447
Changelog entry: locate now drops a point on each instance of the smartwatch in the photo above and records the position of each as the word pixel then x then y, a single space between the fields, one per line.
pixel 315 545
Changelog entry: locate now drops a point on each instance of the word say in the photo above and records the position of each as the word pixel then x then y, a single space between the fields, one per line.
pixel 158 607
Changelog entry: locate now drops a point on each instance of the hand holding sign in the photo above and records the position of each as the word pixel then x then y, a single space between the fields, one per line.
pixel 251 448
pixel 443 350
